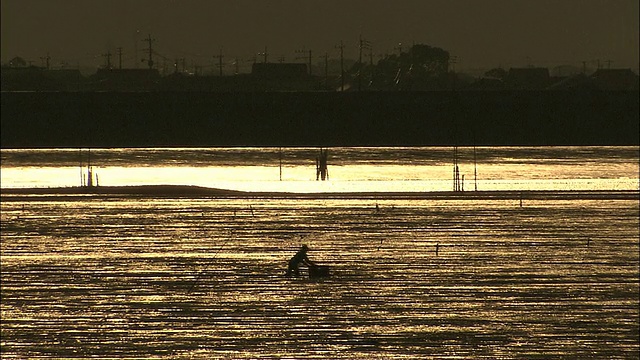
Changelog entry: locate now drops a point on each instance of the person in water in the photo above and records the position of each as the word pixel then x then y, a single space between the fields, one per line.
pixel 299 258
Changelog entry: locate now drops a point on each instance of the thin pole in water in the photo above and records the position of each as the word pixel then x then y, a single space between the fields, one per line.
pixel 521 199
pixel 81 170
pixel 195 281
pixel 475 167
pixel 280 158
pixel 455 158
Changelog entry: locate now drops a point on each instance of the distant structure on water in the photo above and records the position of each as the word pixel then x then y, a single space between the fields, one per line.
pixel 322 172
pixel 87 179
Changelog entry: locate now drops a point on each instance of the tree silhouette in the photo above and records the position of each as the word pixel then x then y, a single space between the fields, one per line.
pixel 497 73
pixel 17 62
pixel 427 60
pixel 418 66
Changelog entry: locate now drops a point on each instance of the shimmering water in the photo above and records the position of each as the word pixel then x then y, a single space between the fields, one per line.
pixel 350 169
pixel 202 278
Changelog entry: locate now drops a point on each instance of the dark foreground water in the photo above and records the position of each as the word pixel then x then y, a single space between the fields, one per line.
pixel 203 278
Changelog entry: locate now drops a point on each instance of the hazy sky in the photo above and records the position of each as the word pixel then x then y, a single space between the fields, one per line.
pixel 481 33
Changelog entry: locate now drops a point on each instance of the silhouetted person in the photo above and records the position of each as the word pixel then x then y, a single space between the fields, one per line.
pixel 299 258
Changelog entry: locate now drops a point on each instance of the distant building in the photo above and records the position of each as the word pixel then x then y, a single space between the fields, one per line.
pixel 615 79
pixel 531 78
pixel 125 79
pixel 65 79
pixel 279 70
pixel 575 82
pixel 33 78
pixel 486 83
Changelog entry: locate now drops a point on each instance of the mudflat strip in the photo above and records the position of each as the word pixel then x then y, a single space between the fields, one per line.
pixel 21 194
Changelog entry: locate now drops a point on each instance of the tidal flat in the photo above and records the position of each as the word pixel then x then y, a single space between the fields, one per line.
pixel 203 277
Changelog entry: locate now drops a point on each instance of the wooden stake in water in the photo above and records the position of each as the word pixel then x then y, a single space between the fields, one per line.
pixel 81 170
pixel 520 199
pixel 322 171
pixel 475 167
pixel 280 158
pixel 455 167
pixel 90 182
pixel 457 182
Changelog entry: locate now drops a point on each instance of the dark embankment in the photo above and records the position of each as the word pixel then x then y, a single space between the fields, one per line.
pixel 67 193
pixel 116 119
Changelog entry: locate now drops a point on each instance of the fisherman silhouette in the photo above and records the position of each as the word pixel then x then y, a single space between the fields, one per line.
pixel 299 258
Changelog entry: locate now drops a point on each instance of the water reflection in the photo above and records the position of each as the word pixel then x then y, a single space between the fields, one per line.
pixel 351 169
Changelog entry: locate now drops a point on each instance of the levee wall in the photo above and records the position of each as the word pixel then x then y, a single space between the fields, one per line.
pixel 141 119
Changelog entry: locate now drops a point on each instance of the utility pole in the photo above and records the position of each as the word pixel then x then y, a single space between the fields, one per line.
pixel 220 64
pixel 364 44
pixel 150 41
pixel 341 47
pixel 303 51
pixel 399 48
pixel 326 70
pixel 47 60
pixel 120 58
pixel 453 60
pixel 108 56
pixel 264 54
pixel 135 48
pixel 360 64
